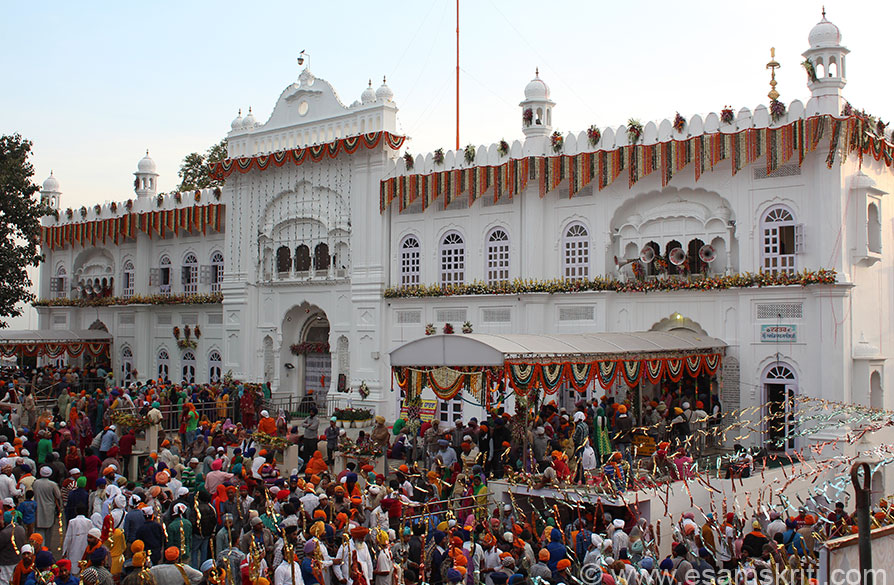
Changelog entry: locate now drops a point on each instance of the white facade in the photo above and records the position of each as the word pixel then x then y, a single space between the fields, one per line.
pixel 308 255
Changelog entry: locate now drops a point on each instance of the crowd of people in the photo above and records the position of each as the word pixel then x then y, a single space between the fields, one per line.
pixel 212 502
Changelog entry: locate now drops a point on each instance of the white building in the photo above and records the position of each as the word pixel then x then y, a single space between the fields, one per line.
pixel 324 217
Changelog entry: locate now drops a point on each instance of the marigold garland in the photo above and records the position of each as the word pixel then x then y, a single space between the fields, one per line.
pixel 527 286
pixel 212 298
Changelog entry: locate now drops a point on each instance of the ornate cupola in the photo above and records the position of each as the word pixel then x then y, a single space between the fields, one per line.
pixel 537 109
pixel 146 182
pixel 50 192
pixel 826 67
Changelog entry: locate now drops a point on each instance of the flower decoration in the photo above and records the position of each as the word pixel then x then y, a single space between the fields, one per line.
pixel 69 213
pixel 438 156
pixel 528 116
pixel 727 115
pixel 593 135
pixel 197 332
pixel 187 331
pixel 159 200
pixel 127 420
pixel 555 286
pixel 634 130
pixel 198 195
pixel 271 442
pixel 187 344
pixel 810 69
pixel 847 109
pixel 198 299
pixel 469 153
pixel 83 211
pixel 448 328
pixel 408 161
pixel 679 122
pixel 777 110
pixel 307 347
pixel 467 327
pixel 363 390
pixel 113 207
pixel 55 214
pixel 880 128
pixel 176 332
pixel 430 329
pixel 178 197
pixel 353 413
pixel 97 209
pixel 128 205
pixel 503 148
pixel 557 141
pixel 217 193
pixel 661 264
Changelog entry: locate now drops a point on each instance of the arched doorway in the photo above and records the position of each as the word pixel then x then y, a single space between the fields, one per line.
pixel 305 359
pixel 317 357
pixel 780 389
pixel 876 396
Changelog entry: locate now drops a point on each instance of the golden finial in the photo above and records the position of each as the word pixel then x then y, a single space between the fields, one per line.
pixel 772 66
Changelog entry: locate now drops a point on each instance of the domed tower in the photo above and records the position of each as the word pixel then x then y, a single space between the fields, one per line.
pixel 537 109
pixel 50 192
pixel 146 182
pixel 827 57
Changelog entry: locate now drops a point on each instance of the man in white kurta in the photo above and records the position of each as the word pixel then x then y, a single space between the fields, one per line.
pixel 285 570
pixel 75 542
pixel 356 547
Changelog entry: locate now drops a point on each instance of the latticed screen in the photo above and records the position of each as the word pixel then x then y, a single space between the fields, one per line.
pixel 780 311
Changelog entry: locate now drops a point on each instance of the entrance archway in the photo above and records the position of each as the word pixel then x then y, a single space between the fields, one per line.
pixel 305 355
pixel 780 386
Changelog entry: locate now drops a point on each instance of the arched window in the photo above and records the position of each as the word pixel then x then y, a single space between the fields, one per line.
pixel 497 256
pixel 126 364
pixel 59 285
pixel 302 258
pixel 215 364
pixel 576 252
pixel 189 274
pixel 778 242
pixel 188 370
pixel 129 279
pixel 696 266
pixel 164 275
pixel 216 271
pixel 283 261
pixel 453 259
pixel 671 267
pixel 164 364
pixel 409 261
pixel 321 257
pixel 873 229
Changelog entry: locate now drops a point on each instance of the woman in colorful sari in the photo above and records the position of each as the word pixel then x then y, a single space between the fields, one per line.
pixel 480 492
pixel 600 428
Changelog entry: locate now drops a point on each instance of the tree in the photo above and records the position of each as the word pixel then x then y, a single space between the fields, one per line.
pixel 195 170
pixel 20 214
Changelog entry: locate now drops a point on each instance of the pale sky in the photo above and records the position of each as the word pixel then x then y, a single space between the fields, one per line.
pixel 94 87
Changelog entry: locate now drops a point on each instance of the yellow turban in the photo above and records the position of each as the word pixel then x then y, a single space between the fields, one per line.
pixel 317 529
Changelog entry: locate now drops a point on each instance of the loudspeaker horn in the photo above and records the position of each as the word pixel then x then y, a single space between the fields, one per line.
pixel 676 256
pixel 707 253
pixel 647 254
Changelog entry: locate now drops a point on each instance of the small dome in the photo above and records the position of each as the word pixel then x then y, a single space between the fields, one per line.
pixel 51 185
pixel 146 165
pixel 384 93
pixel 249 121
pixel 536 88
pixel 824 34
pixel 237 123
pixel 369 94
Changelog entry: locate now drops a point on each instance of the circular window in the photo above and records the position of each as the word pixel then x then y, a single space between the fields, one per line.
pixel 302 108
